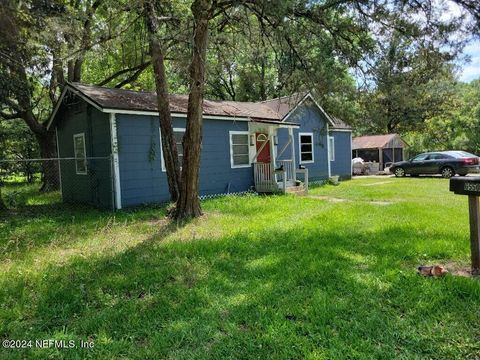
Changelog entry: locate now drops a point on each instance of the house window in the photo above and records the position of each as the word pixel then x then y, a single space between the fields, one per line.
pixel 239 149
pixel 178 137
pixel 80 154
pixel 331 148
pixel 306 148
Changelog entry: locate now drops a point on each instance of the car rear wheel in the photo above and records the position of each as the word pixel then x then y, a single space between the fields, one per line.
pixel 462 174
pixel 399 172
pixel 447 172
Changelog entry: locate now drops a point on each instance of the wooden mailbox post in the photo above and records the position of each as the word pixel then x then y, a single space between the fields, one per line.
pixel 471 186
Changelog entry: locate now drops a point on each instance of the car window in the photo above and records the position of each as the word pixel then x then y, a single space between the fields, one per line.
pixel 438 157
pixel 463 154
pixel 420 157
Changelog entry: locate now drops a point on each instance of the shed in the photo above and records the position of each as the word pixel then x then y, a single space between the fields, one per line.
pixel 382 149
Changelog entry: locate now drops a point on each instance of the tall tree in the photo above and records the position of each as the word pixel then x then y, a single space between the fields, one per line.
pixel 404 94
pixel 169 147
pixel 51 42
pixel 17 86
pixel 188 204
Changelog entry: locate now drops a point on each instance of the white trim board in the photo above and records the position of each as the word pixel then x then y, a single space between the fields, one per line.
pixel 340 130
pixel 116 162
pixel 309 96
pixel 295 107
pixel 60 100
pixel 300 148
pixel 132 112
pixel 351 154
pixel 329 165
pixel 173 114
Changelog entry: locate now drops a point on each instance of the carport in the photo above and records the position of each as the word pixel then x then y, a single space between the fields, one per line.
pixel 382 149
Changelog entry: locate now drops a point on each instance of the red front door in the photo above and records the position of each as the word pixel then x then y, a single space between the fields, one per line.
pixel 264 155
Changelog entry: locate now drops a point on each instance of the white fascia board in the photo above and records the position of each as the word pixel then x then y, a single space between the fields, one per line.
pixel 340 130
pixel 309 96
pixel 132 112
pixel 177 114
pixel 60 100
pixel 295 108
pixel 57 105
pixel 284 126
pixel 276 125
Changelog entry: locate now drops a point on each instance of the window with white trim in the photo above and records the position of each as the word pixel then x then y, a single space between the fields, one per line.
pixel 239 149
pixel 305 142
pixel 178 137
pixel 80 154
pixel 331 148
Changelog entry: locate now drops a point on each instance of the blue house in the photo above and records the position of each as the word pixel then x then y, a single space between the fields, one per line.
pixel 264 146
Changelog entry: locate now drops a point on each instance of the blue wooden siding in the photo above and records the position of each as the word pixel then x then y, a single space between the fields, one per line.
pixel 216 174
pixel 141 176
pixel 342 165
pixel 95 187
pixel 311 120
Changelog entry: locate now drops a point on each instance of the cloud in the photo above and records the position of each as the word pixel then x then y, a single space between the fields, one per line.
pixel 471 70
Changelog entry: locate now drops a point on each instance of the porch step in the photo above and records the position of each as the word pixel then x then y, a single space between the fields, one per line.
pixel 297 190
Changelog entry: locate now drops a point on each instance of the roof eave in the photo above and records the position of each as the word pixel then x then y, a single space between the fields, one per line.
pixel 275 122
pixel 76 91
pixel 309 96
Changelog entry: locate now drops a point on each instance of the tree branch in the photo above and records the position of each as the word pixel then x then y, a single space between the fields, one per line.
pixel 134 76
pixel 10 116
pixel 124 71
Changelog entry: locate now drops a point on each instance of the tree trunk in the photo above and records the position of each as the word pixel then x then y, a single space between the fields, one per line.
pixel 48 150
pixel 3 207
pixel 188 204
pixel 169 147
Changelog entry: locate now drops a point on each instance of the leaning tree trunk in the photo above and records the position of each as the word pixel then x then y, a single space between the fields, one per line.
pixel 48 150
pixel 46 139
pixel 3 207
pixel 188 204
pixel 169 148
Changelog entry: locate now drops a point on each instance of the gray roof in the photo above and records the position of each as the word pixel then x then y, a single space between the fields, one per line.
pixel 146 101
pixel 270 111
pixel 285 104
pixel 340 124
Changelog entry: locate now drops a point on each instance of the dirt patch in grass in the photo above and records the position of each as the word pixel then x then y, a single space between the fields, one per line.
pixel 378 183
pixel 330 198
pixel 343 200
pixel 159 221
pixel 382 203
pixel 460 269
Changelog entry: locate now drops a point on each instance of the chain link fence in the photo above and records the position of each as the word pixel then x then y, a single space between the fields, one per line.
pixel 60 181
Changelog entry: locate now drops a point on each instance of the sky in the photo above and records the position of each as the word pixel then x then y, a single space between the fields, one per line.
pixel 471 71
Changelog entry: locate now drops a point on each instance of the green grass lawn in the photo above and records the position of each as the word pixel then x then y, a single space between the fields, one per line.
pixel 331 275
